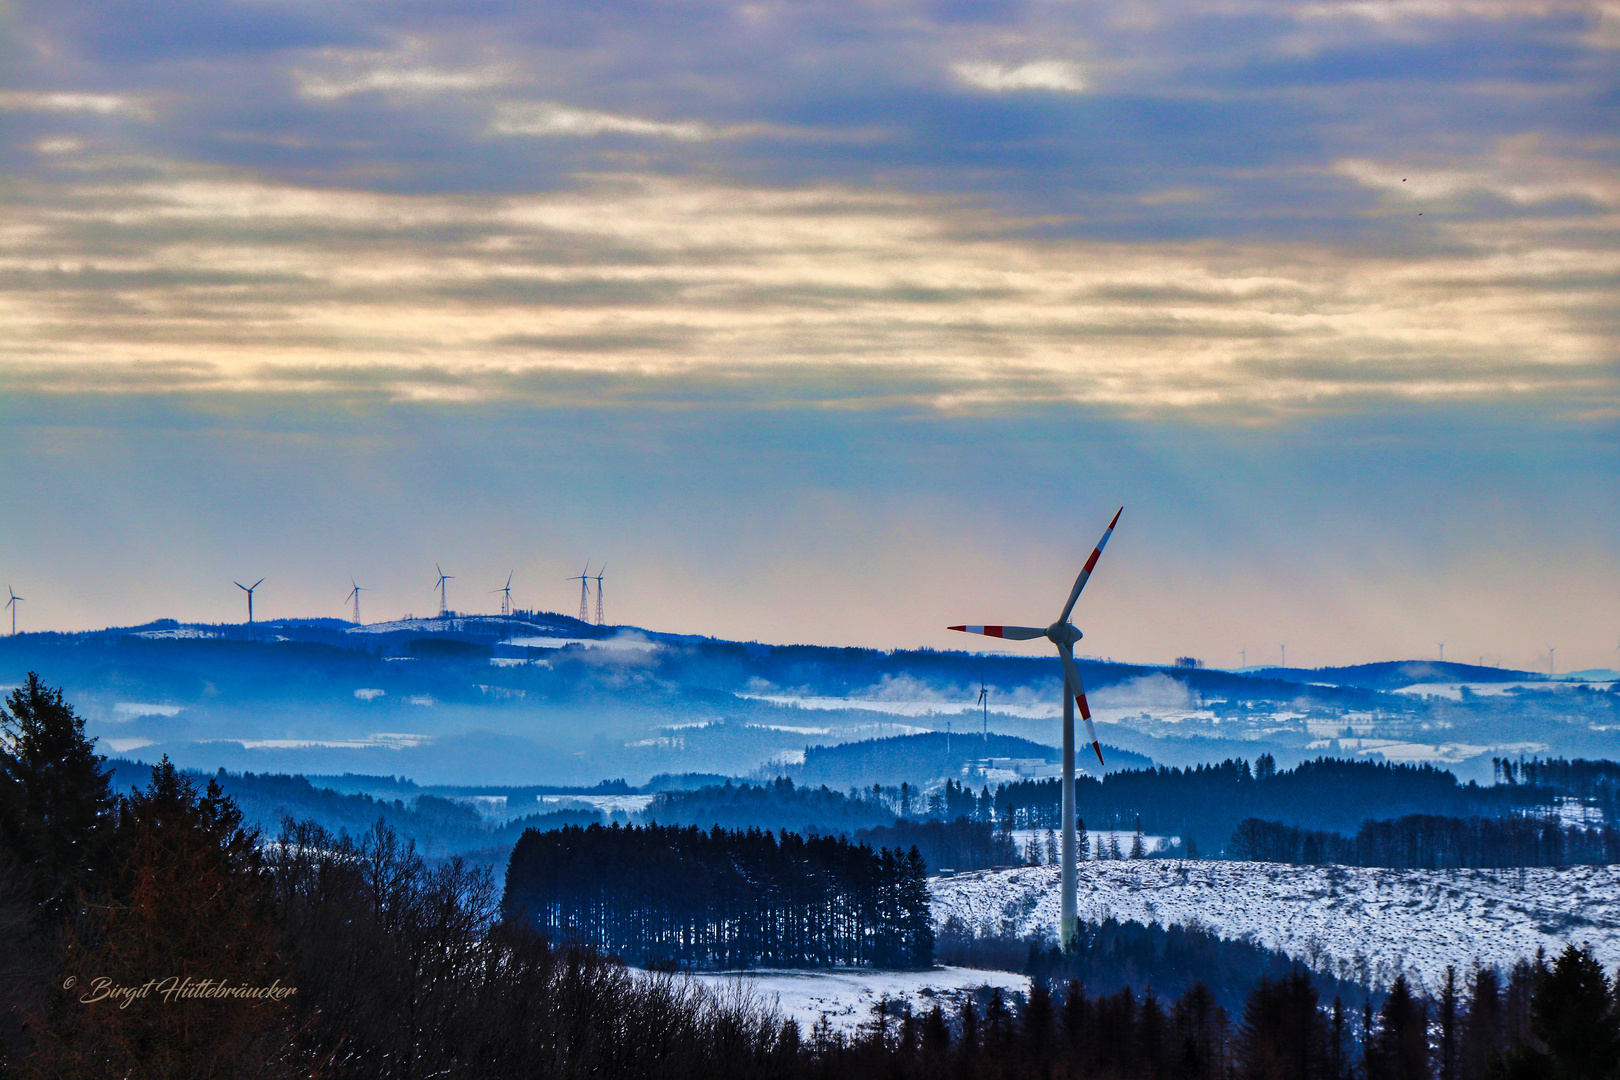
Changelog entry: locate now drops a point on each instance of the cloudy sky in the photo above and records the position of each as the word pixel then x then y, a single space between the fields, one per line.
pixel 829 322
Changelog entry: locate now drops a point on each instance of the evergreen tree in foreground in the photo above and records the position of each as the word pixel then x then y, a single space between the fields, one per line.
pixel 1575 1024
pixel 54 794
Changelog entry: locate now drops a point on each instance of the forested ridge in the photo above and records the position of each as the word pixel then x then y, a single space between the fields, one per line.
pixel 1432 842
pixel 1205 803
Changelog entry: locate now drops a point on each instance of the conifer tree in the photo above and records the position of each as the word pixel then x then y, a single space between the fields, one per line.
pixel 1399 1049
pixel 55 801
pixel 1574 1021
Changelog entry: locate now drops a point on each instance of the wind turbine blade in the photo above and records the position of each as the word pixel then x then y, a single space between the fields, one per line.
pixel 256 584
pixel 241 586
pixel 1066 654
pixel 1085 571
pixel 509 579
pixel 1011 633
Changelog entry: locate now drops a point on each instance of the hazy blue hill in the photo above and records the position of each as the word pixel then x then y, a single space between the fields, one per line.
pixel 439 825
pixel 780 804
pixel 927 757
pixel 544 699
pixel 1395 674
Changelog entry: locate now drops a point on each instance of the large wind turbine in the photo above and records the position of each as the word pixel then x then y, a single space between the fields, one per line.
pixel 354 594
pixel 249 590
pixel 1063 635
pixel 12 604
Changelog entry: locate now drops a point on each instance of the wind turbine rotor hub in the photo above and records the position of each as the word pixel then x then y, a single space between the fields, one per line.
pixel 1063 633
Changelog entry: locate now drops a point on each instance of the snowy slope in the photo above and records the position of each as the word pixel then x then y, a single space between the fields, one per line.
pixel 846 997
pixel 1364 924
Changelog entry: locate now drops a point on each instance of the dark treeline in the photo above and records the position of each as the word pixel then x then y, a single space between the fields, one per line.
pixel 1109 956
pixel 947 845
pixel 1594 782
pixel 1204 804
pixel 661 895
pixel 1429 842
pixel 1543 1022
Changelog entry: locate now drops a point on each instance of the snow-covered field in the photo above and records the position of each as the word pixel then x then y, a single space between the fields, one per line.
pixel 1361 923
pixel 846 997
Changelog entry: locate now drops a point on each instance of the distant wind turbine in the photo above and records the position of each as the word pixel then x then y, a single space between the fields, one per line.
pixel 984 700
pixel 1063 635
pixel 444 606
pixel 1552 666
pixel 354 594
pixel 599 593
pixel 1442 651
pixel 584 591
pixel 506 596
pixel 249 590
pixel 12 604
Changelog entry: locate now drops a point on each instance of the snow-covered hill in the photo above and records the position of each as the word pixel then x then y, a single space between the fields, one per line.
pixel 1364 924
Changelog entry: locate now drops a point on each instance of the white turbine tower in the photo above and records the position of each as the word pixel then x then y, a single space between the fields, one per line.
pixel 12 604
pixel 1063 635
pixel 249 590
pixel 354 594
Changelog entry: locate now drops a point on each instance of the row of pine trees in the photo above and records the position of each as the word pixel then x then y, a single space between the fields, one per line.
pixel 664 895
pixel 1432 842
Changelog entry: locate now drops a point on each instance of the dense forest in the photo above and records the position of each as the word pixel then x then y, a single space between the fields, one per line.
pixel 947 845
pixel 1205 803
pixel 1110 956
pixel 1431 842
pixel 383 966
pixel 1596 783
pixel 661 895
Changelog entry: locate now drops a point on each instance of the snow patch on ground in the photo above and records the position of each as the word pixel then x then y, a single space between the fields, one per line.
pixel 627 644
pixel 606 804
pixel 396 740
pixel 846 997
pixel 1454 691
pixel 902 708
pixel 1362 923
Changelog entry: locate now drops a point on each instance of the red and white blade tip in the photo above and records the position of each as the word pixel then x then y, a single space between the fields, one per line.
pixel 987 631
pixel 1097 747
